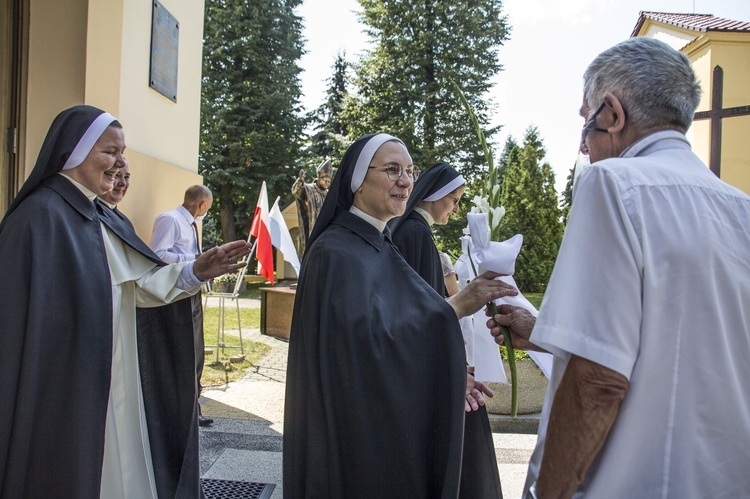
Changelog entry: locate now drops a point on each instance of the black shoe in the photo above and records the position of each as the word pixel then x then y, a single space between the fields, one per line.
pixel 204 421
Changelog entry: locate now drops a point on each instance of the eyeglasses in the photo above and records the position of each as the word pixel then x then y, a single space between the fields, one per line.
pixel 395 171
pixel 590 126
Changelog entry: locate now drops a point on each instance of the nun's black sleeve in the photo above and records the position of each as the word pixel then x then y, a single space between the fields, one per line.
pixel 56 355
pixel 414 240
pixel 376 375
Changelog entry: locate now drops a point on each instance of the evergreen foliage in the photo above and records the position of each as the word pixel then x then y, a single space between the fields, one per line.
pixel 251 123
pixel 531 209
pixel 567 196
pixel 404 82
pixel 509 155
pixel 329 141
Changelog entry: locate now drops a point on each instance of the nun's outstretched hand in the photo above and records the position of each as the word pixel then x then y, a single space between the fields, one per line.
pixel 220 260
pixel 482 290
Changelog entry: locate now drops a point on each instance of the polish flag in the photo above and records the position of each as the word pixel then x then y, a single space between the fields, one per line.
pixel 281 238
pixel 259 229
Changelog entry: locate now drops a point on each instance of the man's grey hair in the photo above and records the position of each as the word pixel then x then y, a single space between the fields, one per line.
pixel 197 193
pixel 654 82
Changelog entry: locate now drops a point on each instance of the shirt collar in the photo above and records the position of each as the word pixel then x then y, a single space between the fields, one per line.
pixel 378 224
pixel 362 228
pixel 111 206
pixel 654 142
pixel 86 192
pixel 183 211
pixel 426 215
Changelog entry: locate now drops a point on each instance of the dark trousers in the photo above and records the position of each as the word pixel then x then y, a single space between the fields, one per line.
pixel 200 351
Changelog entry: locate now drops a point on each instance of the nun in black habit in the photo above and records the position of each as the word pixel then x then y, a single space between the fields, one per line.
pixel 376 380
pixel 87 407
pixel 435 198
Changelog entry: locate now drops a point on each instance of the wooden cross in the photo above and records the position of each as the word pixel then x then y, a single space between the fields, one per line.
pixel 715 115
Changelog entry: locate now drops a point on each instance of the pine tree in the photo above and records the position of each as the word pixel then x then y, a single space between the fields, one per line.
pixel 567 196
pixel 251 126
pixel 531 209
pixel 328 141
pixel 405 83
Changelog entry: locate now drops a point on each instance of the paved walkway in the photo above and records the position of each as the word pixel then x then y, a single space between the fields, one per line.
pixel 245 441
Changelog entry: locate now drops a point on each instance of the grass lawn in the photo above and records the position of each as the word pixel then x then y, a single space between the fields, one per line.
pixel 218 373
pixel 535 299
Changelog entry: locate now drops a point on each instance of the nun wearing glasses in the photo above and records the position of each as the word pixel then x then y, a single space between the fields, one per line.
pixel 376 382
pixel 436 196
pixel 76 411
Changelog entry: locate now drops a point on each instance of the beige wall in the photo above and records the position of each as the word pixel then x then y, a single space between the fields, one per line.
pixel 162 135
pixel 117 77
pixel 700 132
pixel 672 36
pixel 155 187
pixel 731 51
pixel 55 71
pixel 103 55
pixel 97 52
pixel 158 127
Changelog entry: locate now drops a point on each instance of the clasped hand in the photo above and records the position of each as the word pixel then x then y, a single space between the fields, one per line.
pixel 518 321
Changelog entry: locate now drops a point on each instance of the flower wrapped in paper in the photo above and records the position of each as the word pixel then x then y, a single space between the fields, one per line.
pixel 480 254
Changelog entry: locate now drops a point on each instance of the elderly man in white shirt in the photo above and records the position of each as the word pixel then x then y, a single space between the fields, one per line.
pixel 646 309
pixel 175 239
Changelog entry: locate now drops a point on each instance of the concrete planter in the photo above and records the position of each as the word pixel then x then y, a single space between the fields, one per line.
pixel 532 387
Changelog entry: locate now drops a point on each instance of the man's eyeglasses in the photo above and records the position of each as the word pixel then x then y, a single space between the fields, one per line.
pixel 590 126
pixel 395 171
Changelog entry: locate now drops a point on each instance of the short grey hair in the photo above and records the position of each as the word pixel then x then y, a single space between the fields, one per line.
pixel 654 82
pixel 197 193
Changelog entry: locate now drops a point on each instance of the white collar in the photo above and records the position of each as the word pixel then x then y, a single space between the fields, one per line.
pixel 426 214
pixel 185 213
pixel 638 147
pixel 86 192
pixel 378 224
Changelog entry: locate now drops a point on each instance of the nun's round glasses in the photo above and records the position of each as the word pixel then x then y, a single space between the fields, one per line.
pixel 394 171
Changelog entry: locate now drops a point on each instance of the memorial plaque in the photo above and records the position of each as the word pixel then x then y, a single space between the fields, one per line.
pixel 165 37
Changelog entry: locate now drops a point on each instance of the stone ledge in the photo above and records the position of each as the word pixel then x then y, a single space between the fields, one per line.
pixel 523 423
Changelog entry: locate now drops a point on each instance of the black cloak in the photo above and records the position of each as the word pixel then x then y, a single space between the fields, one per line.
pixel 56 334
pixel 413 236
pixel 376 370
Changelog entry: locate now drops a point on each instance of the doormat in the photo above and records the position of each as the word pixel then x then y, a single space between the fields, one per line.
pixel 226 489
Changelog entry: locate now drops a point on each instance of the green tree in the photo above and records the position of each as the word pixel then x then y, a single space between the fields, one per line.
pixel 508 156
pixel 404 83
pixel 531 209
pixel 251 124
pixel 567 196
pixel 329 139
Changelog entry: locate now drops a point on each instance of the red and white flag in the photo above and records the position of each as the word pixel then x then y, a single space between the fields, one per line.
pixel 281 238
pixel 259 229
